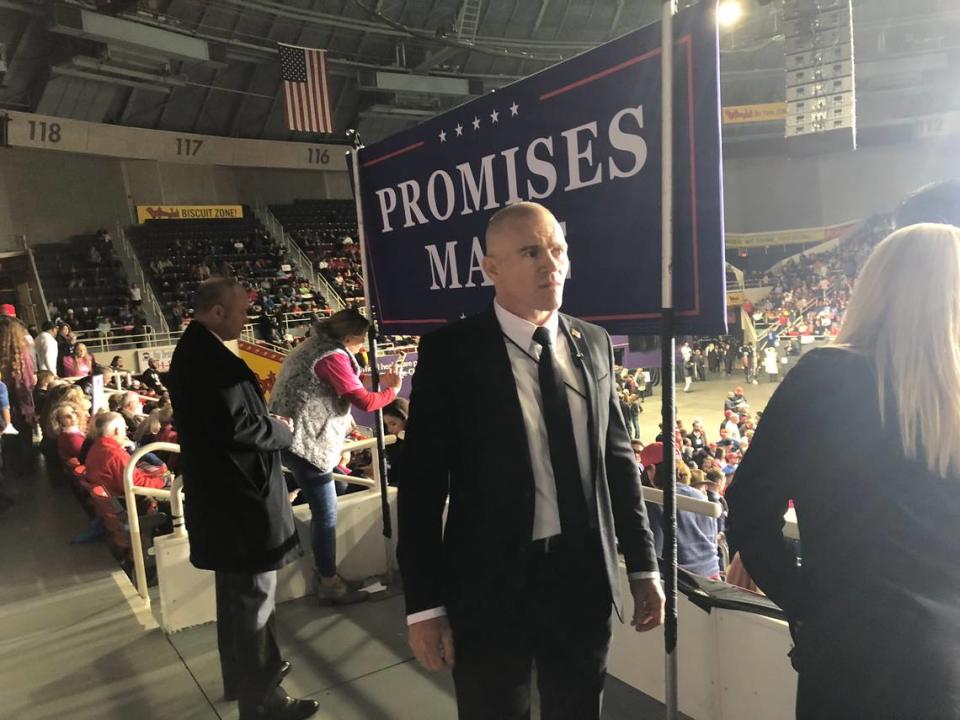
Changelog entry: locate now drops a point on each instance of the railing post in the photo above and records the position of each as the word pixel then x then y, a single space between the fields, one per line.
pixel 130 493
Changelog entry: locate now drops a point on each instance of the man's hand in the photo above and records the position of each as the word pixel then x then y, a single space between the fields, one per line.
pixel 284 420
pixel 648 601
pixel 432 643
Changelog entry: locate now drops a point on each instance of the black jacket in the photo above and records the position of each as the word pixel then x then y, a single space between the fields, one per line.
pixel 236 507
pixel 877 597
pixel 474 451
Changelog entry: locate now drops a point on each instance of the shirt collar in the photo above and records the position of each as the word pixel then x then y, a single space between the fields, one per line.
pixel 211 332
pixel 520 331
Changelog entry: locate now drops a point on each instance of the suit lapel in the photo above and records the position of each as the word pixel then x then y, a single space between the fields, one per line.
pixel 499 382
pixel 583 359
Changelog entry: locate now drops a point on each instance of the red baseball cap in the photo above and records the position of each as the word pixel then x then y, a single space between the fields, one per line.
pixel 8 310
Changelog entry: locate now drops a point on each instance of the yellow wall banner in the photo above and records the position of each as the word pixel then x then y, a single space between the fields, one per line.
pixel 765 112
pixel 804 236
pixel 736 298
pixel 187 212
pixel 264 363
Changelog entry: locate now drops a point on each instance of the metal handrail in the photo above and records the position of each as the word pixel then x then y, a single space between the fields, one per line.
pixel 317 280
pixel 36 276
pixel 149 297
pixel 175 497
pixel 101 343
pixel 130 491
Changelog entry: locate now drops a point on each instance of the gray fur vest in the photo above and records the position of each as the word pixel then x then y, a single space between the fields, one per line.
pixel 321 419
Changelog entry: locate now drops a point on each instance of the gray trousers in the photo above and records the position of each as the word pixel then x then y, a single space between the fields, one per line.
pixel 249 657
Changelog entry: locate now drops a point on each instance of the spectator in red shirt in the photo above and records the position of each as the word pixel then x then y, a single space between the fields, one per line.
pixel 69 423
pixel 108 458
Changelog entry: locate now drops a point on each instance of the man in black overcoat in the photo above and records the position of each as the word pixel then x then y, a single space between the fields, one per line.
pixel 236 507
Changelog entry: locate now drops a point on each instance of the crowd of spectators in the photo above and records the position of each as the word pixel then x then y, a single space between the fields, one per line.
pixel 86 287
pixel 326 230
pixel 178 255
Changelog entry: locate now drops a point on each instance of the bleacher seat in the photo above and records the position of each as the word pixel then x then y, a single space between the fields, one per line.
pixel 171 253
pixel 72 281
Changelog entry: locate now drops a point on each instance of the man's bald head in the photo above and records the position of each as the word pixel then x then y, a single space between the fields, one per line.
pixel 526 260
pixel 515 218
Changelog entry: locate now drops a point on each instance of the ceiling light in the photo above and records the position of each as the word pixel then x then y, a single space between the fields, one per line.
pixel 729 13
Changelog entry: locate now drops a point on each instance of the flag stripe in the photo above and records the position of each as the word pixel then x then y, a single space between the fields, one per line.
pixel 318 89
pixel 326 92
pixel 310 92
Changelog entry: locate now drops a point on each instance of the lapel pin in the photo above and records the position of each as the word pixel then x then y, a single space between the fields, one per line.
pixel 575 333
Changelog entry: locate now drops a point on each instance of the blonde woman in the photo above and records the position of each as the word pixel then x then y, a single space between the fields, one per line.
pixel 69 423
pixel 874 604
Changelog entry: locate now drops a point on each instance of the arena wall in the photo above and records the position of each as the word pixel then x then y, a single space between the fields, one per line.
pixel 49 193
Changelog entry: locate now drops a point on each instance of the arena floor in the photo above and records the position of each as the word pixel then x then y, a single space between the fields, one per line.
pixel 72 643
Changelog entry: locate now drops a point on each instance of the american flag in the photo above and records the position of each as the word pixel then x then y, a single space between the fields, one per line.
pixel 305 89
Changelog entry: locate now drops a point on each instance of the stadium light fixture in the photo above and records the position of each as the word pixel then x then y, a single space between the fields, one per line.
pixel 729 13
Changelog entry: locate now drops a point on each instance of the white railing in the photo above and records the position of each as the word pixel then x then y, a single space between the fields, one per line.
pixel 130 493
pixel 174 495
pixel 131 263
pixel 97 342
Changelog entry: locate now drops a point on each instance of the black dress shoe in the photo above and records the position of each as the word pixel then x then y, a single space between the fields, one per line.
pixel 231 692
pixel 287 708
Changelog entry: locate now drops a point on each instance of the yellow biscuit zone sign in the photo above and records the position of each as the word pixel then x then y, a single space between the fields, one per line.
pixel 188 212
pixel 805 236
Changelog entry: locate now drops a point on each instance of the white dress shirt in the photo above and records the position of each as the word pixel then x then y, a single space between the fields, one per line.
pixel 47 352
pixel 524 354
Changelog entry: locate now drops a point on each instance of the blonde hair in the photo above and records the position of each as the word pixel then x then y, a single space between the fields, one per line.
pixel 66 406
pixel 904 316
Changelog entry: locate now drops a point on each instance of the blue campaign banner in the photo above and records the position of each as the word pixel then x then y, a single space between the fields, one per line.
pixel 583 138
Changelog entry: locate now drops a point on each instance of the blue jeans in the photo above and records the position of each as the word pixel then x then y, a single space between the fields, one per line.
pixel 321 495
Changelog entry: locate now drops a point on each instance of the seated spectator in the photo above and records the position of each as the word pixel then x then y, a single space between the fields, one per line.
pixel 151 378
pixel 130 410
pixel 107 458
pixel 69 424
pixel 395 423
pixel 697 550
pixel 78 363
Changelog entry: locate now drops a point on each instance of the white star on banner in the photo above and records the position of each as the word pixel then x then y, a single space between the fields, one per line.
pixel 476 123
pixel 459 129
pixel 443 136
pixel 495 116
pixel 514 109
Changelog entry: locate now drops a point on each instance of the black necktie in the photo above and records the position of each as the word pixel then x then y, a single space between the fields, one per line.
pixel 563 448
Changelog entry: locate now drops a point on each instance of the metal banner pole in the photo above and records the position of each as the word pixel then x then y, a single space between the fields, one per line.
pixel 381 458
pixel 667 363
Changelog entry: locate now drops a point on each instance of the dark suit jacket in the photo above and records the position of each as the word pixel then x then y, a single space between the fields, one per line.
pixel 878 593
pixel 466 439
pixel 236 507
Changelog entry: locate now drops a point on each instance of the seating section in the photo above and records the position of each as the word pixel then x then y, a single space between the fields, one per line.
pixel 177 255
pixel 85 285
pixel 326 230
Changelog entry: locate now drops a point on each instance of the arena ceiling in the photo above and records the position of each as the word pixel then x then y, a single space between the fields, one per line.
pixel 908 56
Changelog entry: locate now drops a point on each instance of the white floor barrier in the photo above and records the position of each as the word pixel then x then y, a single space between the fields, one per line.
pixel 733 665
pixel 187 594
